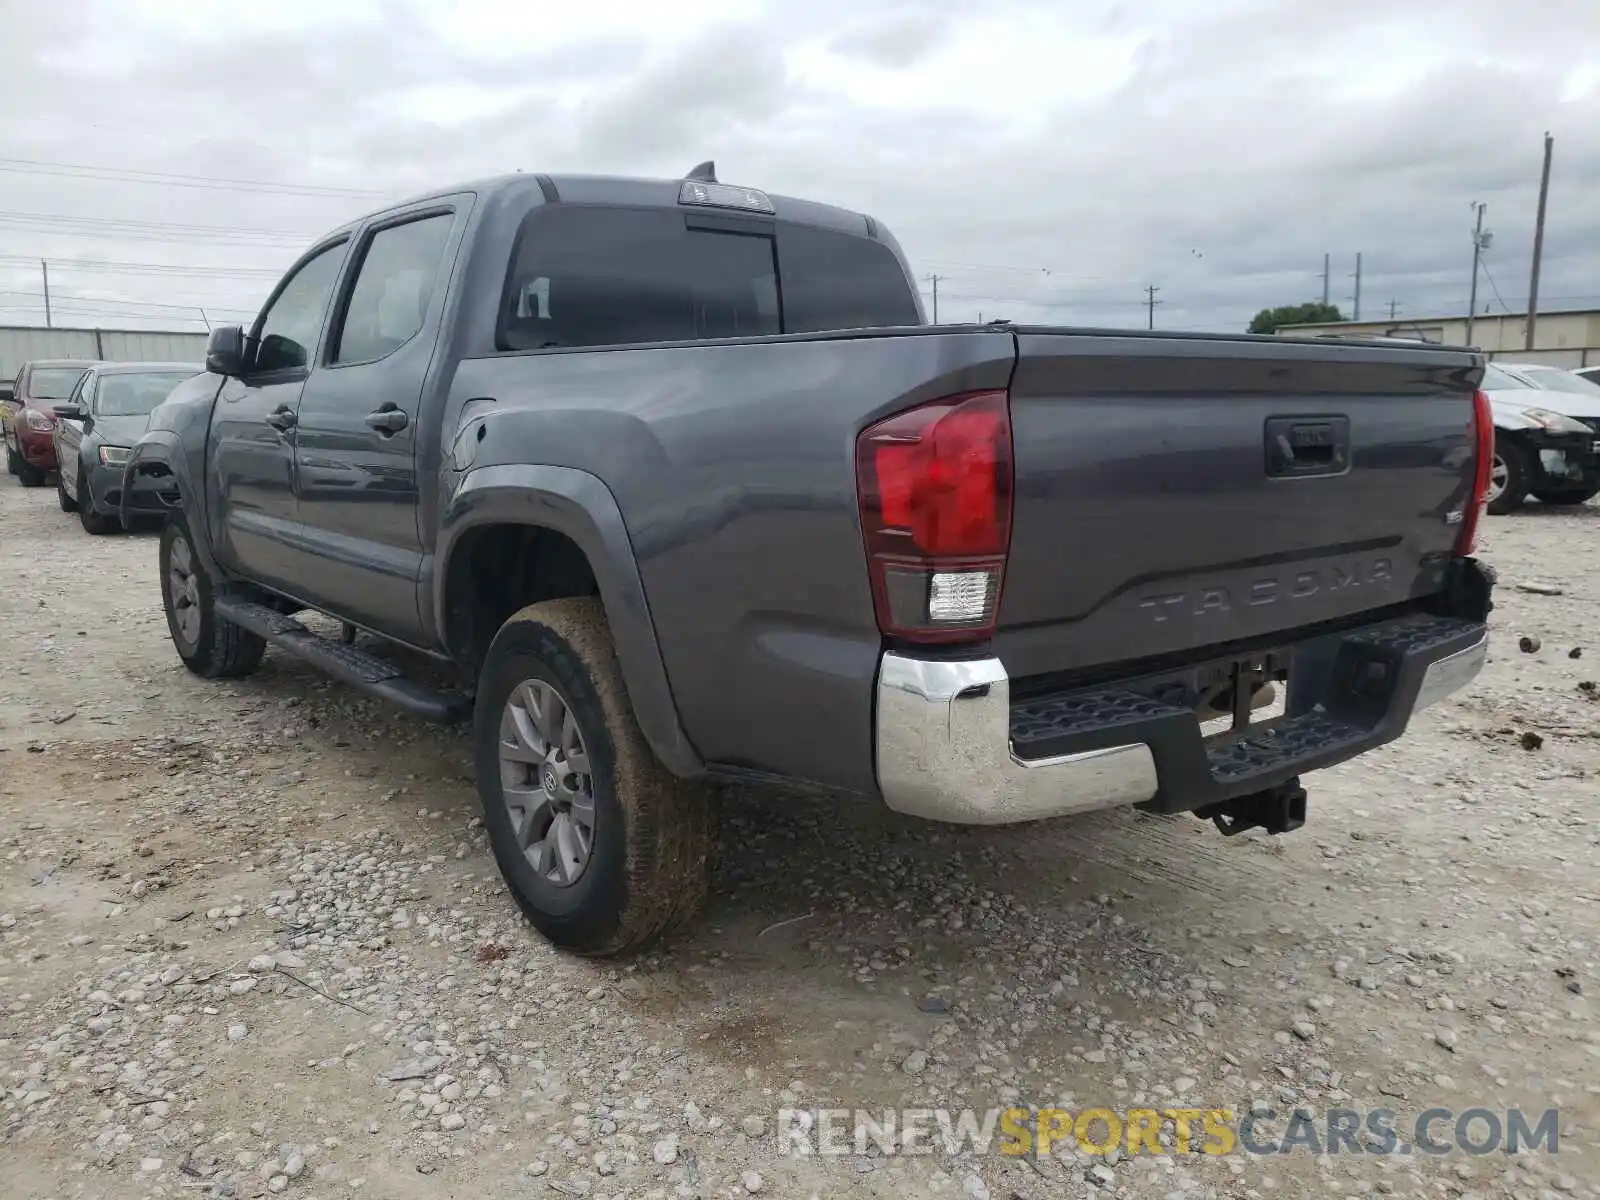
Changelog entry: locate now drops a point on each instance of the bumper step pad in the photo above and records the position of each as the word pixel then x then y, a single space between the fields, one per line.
pixel 1349 692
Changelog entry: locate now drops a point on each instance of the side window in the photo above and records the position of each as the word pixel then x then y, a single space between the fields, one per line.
pixel 389 303
pixel 616 276
pixel 84 397
pixel 287 332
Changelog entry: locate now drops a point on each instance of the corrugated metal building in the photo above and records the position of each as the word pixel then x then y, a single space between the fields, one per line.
pixel 23 343
pixel 1561 339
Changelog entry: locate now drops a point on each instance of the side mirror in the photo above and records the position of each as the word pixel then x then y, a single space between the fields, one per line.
pixel 70 412
pixel 225 351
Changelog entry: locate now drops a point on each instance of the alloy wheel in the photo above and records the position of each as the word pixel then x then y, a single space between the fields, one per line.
pixel 1499 475
pixel 545 782
pixel 184 590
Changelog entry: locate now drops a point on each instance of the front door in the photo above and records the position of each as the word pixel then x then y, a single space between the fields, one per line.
pixel 357 437
pixel 251 454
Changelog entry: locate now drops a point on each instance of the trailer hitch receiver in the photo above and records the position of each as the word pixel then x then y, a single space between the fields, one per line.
pixel 1280 809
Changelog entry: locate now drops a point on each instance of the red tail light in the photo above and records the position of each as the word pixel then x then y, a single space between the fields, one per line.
pixel 934 485
pixel 1483 463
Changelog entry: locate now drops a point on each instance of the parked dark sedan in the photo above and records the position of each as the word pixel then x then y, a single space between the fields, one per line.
pixel 105 415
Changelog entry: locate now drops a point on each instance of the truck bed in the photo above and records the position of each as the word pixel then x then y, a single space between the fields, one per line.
pixel 1140 475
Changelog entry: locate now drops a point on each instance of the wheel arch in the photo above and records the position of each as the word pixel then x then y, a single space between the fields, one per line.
pixel 161 453
pixel 562 534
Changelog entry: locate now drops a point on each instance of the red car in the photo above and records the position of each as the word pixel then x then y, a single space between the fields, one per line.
pixel 30 419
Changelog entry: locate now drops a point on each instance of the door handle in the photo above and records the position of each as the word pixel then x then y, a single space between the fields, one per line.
pixel 388 419
pixel 282 418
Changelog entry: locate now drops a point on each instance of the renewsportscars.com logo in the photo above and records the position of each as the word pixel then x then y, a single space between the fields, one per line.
pixel 1215 1131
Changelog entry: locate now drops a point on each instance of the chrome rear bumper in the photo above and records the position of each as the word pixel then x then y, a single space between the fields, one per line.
pixel 945 750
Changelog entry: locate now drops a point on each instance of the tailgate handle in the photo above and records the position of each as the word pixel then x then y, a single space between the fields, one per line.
pixel 1301 446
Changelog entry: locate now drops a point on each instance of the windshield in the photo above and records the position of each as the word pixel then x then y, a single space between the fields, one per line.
pixel 135 394
pixel 54 383
pixel 1554 379
pixel 1496 380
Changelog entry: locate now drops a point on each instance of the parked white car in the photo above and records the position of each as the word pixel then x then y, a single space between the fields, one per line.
pixel 1547 435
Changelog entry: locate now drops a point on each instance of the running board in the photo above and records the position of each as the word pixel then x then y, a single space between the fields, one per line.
pixel 348 664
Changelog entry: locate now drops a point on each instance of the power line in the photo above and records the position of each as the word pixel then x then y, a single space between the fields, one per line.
pixel 99 314
pixel 122 267
pixel 1001 267
pixel 32 166
pixel 115 301
pixel 1495 286
pixel 134 230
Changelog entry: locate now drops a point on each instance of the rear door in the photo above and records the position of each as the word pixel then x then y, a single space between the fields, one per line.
pixel 250 473
pixel 1177 493
pixel 356 436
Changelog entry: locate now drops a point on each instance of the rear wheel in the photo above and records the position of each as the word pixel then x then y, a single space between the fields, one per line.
pixel 207 644
pixel 1509 476
pixel 604 849
pixel 1566 496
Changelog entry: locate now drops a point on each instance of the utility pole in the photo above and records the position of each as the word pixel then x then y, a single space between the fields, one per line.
pixel 1538 246
pixel 1326 267
pixel 935 281
pixel 1477 253
pixel 45 267
pixel 1394 309
pixel 1150 303
pixel 1357 315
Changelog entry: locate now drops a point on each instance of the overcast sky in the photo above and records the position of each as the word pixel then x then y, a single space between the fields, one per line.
pixel 1046 159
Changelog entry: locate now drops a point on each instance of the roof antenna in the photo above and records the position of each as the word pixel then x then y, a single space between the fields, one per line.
pixel 706 172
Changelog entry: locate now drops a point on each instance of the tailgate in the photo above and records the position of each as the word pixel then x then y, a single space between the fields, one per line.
pixel 1174 493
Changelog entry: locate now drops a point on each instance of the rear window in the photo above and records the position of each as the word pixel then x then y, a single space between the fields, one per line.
pixel 611 276
pixel 135 394
pixel 834 281
pixel 54 383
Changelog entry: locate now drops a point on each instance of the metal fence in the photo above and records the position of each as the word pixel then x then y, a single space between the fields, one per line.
pixel 24 343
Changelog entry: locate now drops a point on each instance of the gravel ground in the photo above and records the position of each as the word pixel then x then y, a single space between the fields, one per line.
pixel 252 942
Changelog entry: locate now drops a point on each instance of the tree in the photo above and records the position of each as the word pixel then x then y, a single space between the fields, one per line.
pixel 1312 312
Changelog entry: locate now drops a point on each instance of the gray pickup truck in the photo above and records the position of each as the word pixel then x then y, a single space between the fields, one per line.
pixel 675 484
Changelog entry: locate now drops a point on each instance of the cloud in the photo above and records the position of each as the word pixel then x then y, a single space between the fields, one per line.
pixel 893 39
pixel 1046 161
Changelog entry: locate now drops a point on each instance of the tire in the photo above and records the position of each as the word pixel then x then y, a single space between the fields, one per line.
pixel 94 522
pixel 13 461
pixel 1512 472
pixel 651 836
pixel 1566 497
pixel 209 646
pixel 68 504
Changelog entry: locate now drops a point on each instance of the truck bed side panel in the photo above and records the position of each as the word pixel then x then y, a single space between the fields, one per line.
pixel 734 470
